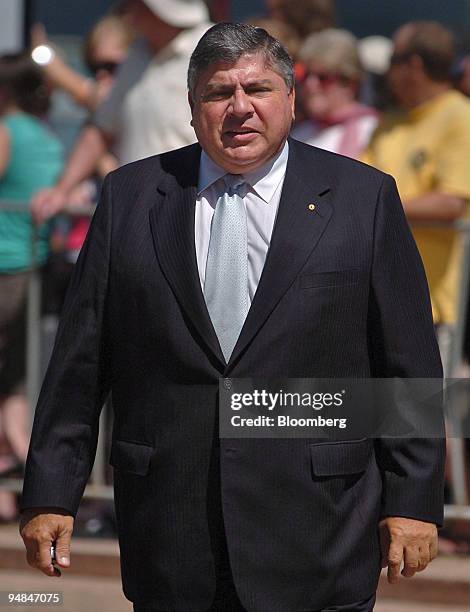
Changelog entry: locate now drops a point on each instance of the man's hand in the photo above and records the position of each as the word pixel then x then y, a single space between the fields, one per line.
pixel 40 528
pixel 47 203
pixel 408 540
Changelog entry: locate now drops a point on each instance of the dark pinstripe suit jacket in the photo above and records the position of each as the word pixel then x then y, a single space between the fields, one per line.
pixel 300 515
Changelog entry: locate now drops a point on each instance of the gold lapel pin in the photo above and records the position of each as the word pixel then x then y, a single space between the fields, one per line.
pixel 311 206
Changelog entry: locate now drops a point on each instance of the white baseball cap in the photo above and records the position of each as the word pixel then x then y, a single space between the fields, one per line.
pixel 375 53
pixel 180 13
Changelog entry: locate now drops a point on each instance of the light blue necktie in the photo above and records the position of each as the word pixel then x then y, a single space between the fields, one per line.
pixel 226 281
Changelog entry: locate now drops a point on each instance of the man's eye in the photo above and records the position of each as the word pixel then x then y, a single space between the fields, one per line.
pixel 216 95
pixel 257 90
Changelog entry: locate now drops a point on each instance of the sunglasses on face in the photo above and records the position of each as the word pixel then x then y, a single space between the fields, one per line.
pixel 325 79
pixel 109 67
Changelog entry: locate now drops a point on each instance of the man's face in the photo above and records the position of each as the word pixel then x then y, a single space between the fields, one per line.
pixel 242 113
pixel 401 75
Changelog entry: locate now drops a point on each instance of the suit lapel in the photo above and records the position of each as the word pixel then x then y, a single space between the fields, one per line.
pixel 297 231
pixel 172 224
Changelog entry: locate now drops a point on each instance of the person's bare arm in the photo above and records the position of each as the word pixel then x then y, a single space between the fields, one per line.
pixel 78 87
pixel 81 89
pixel 434 206
pixel 42 527
pixel 4 149
pixel 90 147
pixel 106 164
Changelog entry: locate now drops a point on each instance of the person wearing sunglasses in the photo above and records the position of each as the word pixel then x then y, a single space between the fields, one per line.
pixel 105 48
pixel 329 76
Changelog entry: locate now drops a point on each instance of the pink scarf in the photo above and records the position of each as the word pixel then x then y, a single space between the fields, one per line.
pixel 350 143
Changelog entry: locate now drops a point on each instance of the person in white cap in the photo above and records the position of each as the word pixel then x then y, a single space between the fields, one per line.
pixel 147 111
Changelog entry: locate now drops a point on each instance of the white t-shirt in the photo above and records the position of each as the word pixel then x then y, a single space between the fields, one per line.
pixel 147 111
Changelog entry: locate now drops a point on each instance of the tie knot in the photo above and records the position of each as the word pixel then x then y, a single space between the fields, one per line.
pixel 236 184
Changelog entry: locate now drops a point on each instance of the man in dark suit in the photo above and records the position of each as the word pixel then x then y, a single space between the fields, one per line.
pixel 256 257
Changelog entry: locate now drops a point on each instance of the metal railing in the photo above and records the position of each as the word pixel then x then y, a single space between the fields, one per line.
pixel 97 487
pixel 455 442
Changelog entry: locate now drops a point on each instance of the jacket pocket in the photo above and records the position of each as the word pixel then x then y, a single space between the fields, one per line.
pixel 131 457
pixel 340 458
pixel 329 279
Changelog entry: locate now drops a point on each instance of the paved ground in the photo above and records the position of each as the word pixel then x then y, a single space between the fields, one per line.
pixel 405 606
pixel 83 594
pixel 446 580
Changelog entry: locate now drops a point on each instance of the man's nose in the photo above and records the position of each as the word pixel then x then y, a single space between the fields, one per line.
pixel 241 103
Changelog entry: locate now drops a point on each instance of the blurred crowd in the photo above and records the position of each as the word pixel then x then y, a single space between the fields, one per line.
pixel 400 104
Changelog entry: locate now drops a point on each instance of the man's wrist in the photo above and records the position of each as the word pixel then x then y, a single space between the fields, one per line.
pixel 27 514
pixel 45 510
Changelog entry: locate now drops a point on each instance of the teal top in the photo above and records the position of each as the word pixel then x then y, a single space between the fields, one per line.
pixel 35 161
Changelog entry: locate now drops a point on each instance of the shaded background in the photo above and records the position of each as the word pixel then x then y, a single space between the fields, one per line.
pixel 363 17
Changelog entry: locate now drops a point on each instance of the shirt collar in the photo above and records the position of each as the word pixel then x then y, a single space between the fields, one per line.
pixel 209 173
pixel 264 180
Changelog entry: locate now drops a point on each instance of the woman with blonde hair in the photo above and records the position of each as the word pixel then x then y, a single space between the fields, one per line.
pixel 105 48
pixel 328 87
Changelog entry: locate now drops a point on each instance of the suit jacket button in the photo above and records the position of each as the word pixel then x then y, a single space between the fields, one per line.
pixel 227 383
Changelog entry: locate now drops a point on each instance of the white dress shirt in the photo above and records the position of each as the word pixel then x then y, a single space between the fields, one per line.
pixel 261 203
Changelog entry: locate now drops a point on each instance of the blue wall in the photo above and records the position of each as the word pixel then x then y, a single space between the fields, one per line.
pixel 68 16
pixel 366 17
pixel 363 17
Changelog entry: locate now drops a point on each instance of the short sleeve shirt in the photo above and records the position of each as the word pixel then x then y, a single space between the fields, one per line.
pixel 429 150
pixel 147 111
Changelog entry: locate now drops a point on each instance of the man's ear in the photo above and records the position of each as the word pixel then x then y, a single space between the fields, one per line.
pixel 190 101
pixel 191 105
pixel 292 97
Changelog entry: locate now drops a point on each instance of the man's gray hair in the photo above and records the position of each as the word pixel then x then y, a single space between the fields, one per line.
pixel 227 42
